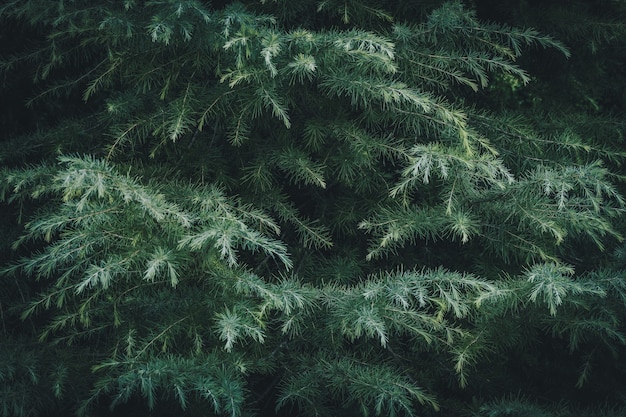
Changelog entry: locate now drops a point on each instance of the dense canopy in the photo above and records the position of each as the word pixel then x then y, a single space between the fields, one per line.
pixel 312 208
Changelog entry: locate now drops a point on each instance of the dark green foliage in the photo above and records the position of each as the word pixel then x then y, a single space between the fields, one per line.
pixel 311 208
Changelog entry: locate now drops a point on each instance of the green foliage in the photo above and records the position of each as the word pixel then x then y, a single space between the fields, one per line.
pixel 305 208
